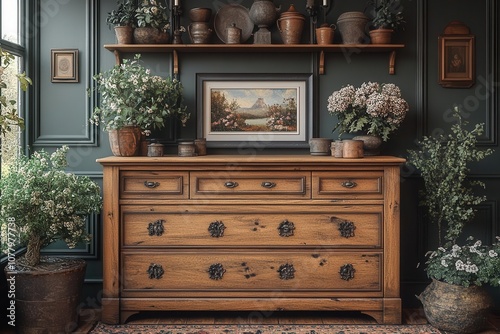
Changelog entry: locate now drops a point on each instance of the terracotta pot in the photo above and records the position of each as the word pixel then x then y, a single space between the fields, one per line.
pixel 149 35
pixel 371 144
pixel 324 35
pixel 456 308
pixel 290 25
pixel 352 27
pixel 381 36
pixel 125 142
pixel 124 34
pixel 47 299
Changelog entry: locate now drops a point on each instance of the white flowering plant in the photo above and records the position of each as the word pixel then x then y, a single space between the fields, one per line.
pixel 151 13
pixel 373 108
pixel 132 96
pixel 469 264
pixel 42 203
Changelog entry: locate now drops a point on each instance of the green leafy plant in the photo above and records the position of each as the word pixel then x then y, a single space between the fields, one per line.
pixel 8 111
pixel 123 15
pixel 41 203
pixel 374 108
pixel 450 200
pixel 132 96
pixel 151 13
pixel 387 14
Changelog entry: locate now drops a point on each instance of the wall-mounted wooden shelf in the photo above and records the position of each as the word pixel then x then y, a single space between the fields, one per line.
pixel 349 49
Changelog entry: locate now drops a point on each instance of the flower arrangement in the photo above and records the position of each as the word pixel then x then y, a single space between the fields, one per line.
pixel 123 15
pixel 151 13
pixel 470 264
pixel 42 203
pixel 374 108
pixel 450 201
pixel 132 96
pixel 8 111
pixel 387 14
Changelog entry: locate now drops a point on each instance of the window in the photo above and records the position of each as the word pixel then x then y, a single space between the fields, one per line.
pixel 11 41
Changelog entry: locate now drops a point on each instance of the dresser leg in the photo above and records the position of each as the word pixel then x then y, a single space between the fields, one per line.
pixel 124 315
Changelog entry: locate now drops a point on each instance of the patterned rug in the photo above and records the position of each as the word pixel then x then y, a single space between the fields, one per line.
pixel 264 329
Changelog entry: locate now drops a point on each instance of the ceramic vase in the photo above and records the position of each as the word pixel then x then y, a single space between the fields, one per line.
pixel 352 27
pixel 125 142
pixel 371 144
pixel 150 35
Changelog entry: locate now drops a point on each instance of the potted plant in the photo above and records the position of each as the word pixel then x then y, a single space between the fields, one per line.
pixel 122 19
pixel 42 203
pixel 374 109
pixel 153 22
pixel 134 101
pixel 387 17
pixel 9 116
pixel 455 300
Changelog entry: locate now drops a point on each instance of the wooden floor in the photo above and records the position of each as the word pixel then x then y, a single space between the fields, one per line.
pixel 89 318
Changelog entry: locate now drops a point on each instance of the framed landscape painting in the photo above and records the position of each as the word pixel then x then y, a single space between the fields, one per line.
pixel 250 110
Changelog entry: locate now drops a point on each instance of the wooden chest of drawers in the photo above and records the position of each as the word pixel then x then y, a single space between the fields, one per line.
pixel 260 233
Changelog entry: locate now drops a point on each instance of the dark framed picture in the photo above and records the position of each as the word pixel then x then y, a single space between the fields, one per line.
pixel 456 61
pixel 255 110
pixel 64 65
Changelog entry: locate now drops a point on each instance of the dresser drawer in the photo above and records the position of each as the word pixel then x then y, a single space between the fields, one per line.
pixel 216 271
pixel 153 185
pixel 253 226
pixel 256 185
pixel 348 185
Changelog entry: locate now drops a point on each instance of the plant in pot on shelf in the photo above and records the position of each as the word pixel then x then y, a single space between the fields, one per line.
pixel 387 17
pixel 42 203
pixel 133 102
pixel 122 19
pixel 374 109
pixel 153 22
pixel 455 300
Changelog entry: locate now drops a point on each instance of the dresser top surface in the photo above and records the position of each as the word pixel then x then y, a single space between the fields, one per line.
pixel 251 160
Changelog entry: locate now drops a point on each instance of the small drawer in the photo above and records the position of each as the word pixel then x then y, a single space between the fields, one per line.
pixel 255 185
pixel 216 272
pixel 252 226
pixel 153 185
pixel 348 185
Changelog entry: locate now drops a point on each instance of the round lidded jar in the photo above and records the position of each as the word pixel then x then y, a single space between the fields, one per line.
pixel 186 149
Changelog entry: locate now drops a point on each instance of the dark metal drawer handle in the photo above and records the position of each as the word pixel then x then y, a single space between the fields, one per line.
pixel 286 271
pixel 155 271
pixel 286 228
pixel 216 271
pixel 346 229
pixel 347 272
pixel 156 228
pixel 268 185
pixel 230 184
pixel 151 184
pixel 349 184
pixel 216 229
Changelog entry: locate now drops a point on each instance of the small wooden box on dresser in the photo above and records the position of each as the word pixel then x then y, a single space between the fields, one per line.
pixel 244 233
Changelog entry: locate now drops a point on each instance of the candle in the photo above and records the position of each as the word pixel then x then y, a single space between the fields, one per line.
pixel 325 3
pixel 310 3
pixel 176 2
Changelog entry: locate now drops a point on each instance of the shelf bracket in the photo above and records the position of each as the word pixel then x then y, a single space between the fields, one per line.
pixel 392 61
pixel 118 57
pixel 176 63
pixel 322 62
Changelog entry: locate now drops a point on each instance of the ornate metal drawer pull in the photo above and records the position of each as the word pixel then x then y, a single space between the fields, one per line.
pixel 286 228
pixel 156 228
pixel 230 184
pixel 346 229
pixel 216 229
pixel 151 184
pixel 216 271
pixel 268 185
pixel 347 272
pixel 349 184
pixel 286 271
pixel 155 271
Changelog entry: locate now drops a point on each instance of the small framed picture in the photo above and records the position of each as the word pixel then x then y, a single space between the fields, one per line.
pixel 456 60
pixel 64 65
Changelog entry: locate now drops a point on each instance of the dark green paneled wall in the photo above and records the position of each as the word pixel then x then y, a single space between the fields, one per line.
pixel 61 110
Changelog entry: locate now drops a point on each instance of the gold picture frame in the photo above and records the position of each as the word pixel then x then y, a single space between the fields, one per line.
pixel 64 65
pixel 456 57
